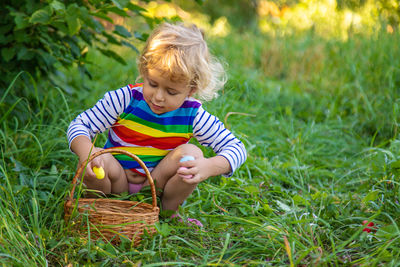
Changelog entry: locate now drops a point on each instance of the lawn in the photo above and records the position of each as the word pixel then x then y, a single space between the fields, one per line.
pixel 318 116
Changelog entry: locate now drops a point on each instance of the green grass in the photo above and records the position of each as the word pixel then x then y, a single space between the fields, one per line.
pixel 321 130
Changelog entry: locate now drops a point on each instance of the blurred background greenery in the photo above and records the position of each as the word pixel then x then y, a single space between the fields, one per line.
pixel 40 36
pixel 313 47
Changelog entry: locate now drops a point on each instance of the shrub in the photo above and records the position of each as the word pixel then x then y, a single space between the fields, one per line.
pixel 37 35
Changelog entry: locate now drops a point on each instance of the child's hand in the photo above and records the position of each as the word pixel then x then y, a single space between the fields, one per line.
pixel 99 171
pixel 183 159
pixel 193 171
pixel 95 163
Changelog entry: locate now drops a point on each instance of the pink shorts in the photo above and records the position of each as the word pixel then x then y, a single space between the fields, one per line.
pixel 134 188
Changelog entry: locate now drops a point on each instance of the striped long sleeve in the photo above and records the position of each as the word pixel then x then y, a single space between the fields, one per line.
pixel 211 132
pixel 100 117
pixel 207 129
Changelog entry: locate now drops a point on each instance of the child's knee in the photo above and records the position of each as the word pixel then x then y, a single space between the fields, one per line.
pixel 189 150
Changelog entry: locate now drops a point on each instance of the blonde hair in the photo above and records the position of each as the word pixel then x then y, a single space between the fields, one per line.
pixel 180 53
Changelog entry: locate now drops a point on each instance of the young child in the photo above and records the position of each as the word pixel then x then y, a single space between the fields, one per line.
pixel 156 119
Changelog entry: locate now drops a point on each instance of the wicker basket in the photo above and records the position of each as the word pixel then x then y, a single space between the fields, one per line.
pixel 111 219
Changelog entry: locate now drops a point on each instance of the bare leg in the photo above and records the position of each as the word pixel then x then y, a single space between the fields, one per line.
pixel 175 191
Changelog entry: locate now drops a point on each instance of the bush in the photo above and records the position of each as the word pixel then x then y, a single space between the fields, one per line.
pixel 35 36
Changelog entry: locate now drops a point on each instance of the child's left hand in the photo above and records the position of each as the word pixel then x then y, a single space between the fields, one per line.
pixel 193 171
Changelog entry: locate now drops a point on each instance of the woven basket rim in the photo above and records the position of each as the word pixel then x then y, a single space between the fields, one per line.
pixel 151 210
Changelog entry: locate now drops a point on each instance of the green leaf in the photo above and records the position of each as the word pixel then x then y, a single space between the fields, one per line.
pixel 128 44
pixel 72 18
pixel 73 8
pixel 21 21
pixel 8 53
pixel 141 36
pixel 267 208
pixel 86 17
pixel 395 166
pixel 387 232
pixel 73 23
pixel 61 26
pixel 5 39
pixel 47 58
pixel 135 8
pixel 122 31
pixel 120 3
pixel 74 48
pixel 117 11
pixel 98 27
pixel 40 16
pixel 101 15
pixel 22 36
pixel 25 54
pixel 251 189
pixel 112 54
pixel 371 196
pixel 299 200
pixel 164 229
pixel 53 169
pixel 57 6
pixel 110 38
pixel 319 195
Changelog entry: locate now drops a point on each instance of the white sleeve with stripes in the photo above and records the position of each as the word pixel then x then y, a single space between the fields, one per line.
pixel 100 117
pixel 211 132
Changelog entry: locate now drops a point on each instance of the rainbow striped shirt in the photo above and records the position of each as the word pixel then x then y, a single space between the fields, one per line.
pixel 135 128
pixel 148 135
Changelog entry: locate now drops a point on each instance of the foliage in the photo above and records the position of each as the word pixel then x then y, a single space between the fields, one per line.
pixel 320 124
pixel 388 9
pixel 391 10
pixel 330 18
pixel 240 15
pixel 352 4
pixel 37 36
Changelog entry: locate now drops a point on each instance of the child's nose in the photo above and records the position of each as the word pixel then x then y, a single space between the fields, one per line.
pixel 159 95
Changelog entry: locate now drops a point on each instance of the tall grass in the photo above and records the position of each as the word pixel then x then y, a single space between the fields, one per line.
pixel 33 171
pixel 319 119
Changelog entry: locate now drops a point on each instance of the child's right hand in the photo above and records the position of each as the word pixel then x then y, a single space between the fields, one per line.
pixel 96 162
pixel 99 172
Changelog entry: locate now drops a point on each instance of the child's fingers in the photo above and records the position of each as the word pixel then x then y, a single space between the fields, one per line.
pixel 190 175
pixel 89 173
pixel 184 173
pixel 187 171
pixel 97 168
pixel 194 180
pixel 97 162
pixel 183 170
pixel 188 164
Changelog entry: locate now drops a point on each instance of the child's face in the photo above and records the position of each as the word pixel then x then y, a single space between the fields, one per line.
pixel 161 94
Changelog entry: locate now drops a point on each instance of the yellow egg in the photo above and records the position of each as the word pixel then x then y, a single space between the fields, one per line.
pixel 99 172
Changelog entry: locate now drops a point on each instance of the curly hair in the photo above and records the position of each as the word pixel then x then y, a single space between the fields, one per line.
pixel 181 54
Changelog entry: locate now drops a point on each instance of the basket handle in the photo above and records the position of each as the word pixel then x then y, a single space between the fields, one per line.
pixel 120 151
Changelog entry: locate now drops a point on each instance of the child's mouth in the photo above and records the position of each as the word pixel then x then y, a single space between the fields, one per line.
pixel 156 107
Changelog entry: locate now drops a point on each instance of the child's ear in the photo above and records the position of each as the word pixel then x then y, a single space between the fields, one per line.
pixel 192 92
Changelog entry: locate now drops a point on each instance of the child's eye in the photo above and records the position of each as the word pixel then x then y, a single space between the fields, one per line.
pixel 172 92
pixel 152 84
